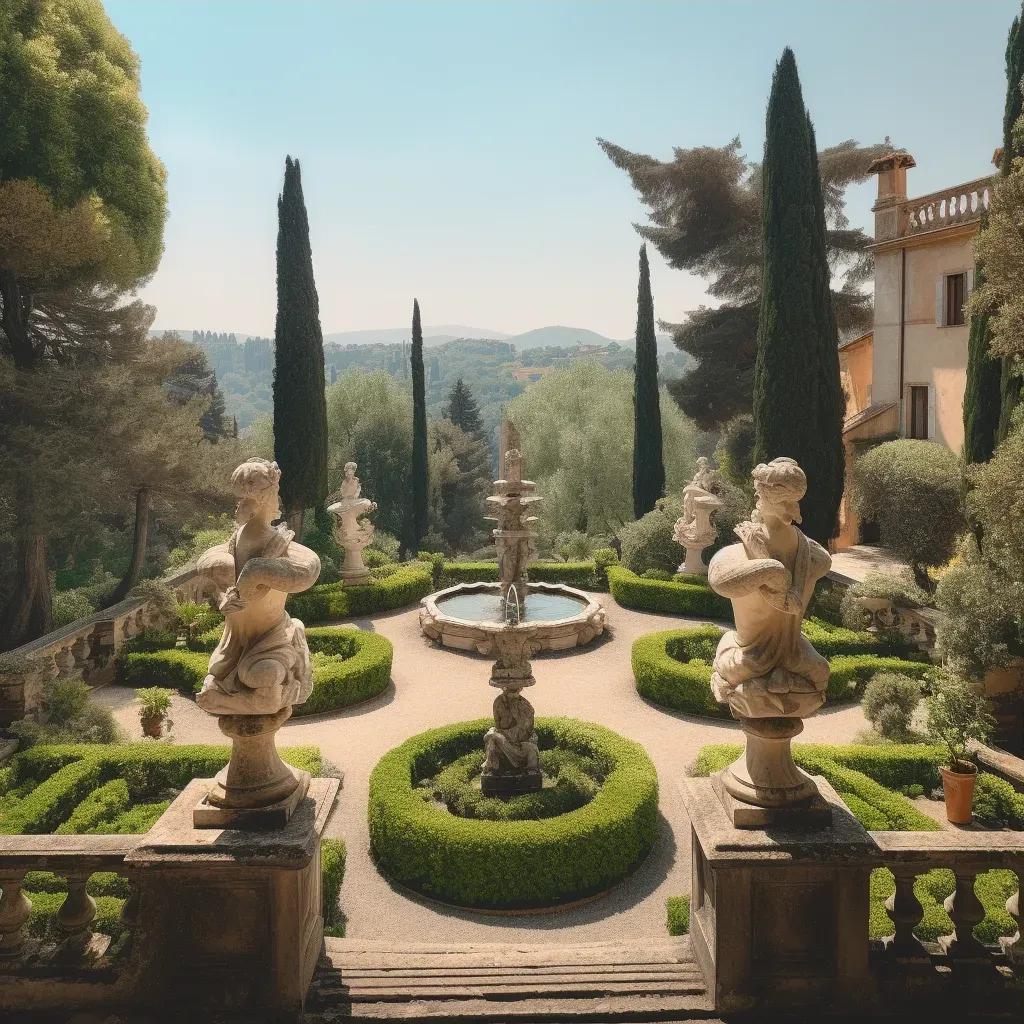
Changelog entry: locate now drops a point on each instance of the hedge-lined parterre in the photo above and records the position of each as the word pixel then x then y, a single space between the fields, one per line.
pixel 349 666
pixel 652 595
pixel 390 586
pixel 867 777
pixel 512 864
pixel 673 668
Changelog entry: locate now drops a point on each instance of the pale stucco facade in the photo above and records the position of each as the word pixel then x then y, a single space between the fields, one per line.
pixel 907 376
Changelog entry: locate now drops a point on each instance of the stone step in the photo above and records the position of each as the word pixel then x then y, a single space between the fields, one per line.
pixel 384 980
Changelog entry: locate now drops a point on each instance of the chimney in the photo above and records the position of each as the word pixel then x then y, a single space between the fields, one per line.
pixel 892 193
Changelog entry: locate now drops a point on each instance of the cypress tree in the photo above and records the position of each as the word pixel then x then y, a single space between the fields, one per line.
pixel 993 387
pixel 300 409
pixel 463 411
pixel 798 398
pixel 420 481
pixel 648 466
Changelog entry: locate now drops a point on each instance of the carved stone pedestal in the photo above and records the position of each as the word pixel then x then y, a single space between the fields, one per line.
pixel 256 789
pixel 511 783
pixel 228 921
pixel 778 918
pixel 764 788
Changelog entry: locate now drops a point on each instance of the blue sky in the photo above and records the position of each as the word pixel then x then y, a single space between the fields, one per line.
pixel 448 149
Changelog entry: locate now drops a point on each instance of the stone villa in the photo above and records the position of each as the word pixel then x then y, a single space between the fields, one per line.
pixel 906 376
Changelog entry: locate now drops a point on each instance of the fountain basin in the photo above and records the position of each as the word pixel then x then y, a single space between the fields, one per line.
pixel 468 615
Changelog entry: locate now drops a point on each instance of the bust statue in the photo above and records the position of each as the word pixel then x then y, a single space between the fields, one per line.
pixel 765 668
pixel 350 486
pixel 261 664
pixel 261 667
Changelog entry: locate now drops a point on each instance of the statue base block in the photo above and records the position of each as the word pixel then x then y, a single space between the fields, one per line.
pixel 506 784
pixel 354 577
pixel 814 813
pixel 251 819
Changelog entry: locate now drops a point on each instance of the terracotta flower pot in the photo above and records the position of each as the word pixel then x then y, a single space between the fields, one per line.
pixel 958 788
pixel 152 725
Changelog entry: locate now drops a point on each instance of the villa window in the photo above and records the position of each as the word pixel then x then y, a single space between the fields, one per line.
pixel 920 412
pixel 951 294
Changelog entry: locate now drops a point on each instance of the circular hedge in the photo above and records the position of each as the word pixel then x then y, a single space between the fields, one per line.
pixel 508 865
pixel 673 668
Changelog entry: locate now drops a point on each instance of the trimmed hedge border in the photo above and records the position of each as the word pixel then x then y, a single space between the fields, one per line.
pixel 673 668
pixel 583 575
pixel 865 777
pixel 390 587
pixel 365 672
pixel 699 600
pixel 515 864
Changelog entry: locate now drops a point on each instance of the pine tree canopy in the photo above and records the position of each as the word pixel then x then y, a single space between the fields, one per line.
pixel 195 379
pixel 300 412
pixel 798 399
pixel 462 409
pixel 648 466
pixel 706 212
pixel 420 472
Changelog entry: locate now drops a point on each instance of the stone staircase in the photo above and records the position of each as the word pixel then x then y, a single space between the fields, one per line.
pixel 383 980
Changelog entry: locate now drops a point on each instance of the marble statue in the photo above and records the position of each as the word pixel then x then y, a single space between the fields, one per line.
pixel 694 530
pixel 766 669
pixel 510 746
pixel 261 667
pixel 352 531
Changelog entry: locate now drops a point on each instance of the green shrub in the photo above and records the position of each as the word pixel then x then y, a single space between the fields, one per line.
pixel 353 665
pixel 958 712
pixel 913 491
pixel 673 669
pixel 678 908
pixel 603 559
pixel 103 804
pixel 849 672
pixel 69 715
pixel 829 641
pixel 150 639
pixel 507 864
pixel 332 871
pixel 898 587
pixel 890 700
pixel 71 605
pixel 648 544
pixel 571 574
pixel 183 671
pixel 454 573
pixel 658 574
pixel 997 804
pixel 208 640
pixel 656 595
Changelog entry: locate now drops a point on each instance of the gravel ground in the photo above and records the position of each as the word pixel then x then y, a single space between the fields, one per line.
pixel 433 686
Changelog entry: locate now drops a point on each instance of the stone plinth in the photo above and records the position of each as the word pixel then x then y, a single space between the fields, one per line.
pixel 779 919
pixel 228 920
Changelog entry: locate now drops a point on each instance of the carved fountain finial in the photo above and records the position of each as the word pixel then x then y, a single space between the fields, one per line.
pixel 352 531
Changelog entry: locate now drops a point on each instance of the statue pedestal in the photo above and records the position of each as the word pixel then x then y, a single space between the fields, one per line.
pixel 512 782
pixel 256 790
pixel 231 921
pixel 779 919
pixel 694 564
pixel 764 788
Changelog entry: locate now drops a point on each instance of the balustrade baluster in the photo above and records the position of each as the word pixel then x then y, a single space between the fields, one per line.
pixel 906 912
pixel 15 908
pixel 965 910
pixel 77 911
pixel 130 909
pixel 1013 946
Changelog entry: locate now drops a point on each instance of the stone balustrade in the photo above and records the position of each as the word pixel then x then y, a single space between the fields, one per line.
pixel 76 967
pixel 967 854
pixel 962 204
pixel 916 625
pixel 85 647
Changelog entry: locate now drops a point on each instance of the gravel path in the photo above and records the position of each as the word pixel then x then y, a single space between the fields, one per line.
pixel 433 686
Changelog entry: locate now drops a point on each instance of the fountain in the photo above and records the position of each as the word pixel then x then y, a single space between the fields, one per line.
pixel 352 533
pixel 471 615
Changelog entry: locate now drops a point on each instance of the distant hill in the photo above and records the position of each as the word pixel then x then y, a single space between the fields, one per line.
pixel 431 335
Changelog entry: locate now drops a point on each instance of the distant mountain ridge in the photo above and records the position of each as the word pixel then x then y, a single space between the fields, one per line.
pixel 557 336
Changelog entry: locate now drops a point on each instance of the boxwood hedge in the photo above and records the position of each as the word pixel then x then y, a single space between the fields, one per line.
pixel 650 595
pixel 866 777
pixel 673 668
pixel 356 666
pixel 572 574
pixel 512 864
pixel 390 586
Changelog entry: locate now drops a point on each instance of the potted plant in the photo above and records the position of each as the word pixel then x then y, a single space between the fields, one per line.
pixel 958 713
pixel 154 703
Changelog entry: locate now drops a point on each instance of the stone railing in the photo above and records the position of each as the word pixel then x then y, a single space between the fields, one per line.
pixel 76 859
pixel 967 854
pixel 917 625
pixel 961 204
pixel 85 647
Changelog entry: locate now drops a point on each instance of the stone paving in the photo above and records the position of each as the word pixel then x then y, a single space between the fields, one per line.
pixel 432 686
